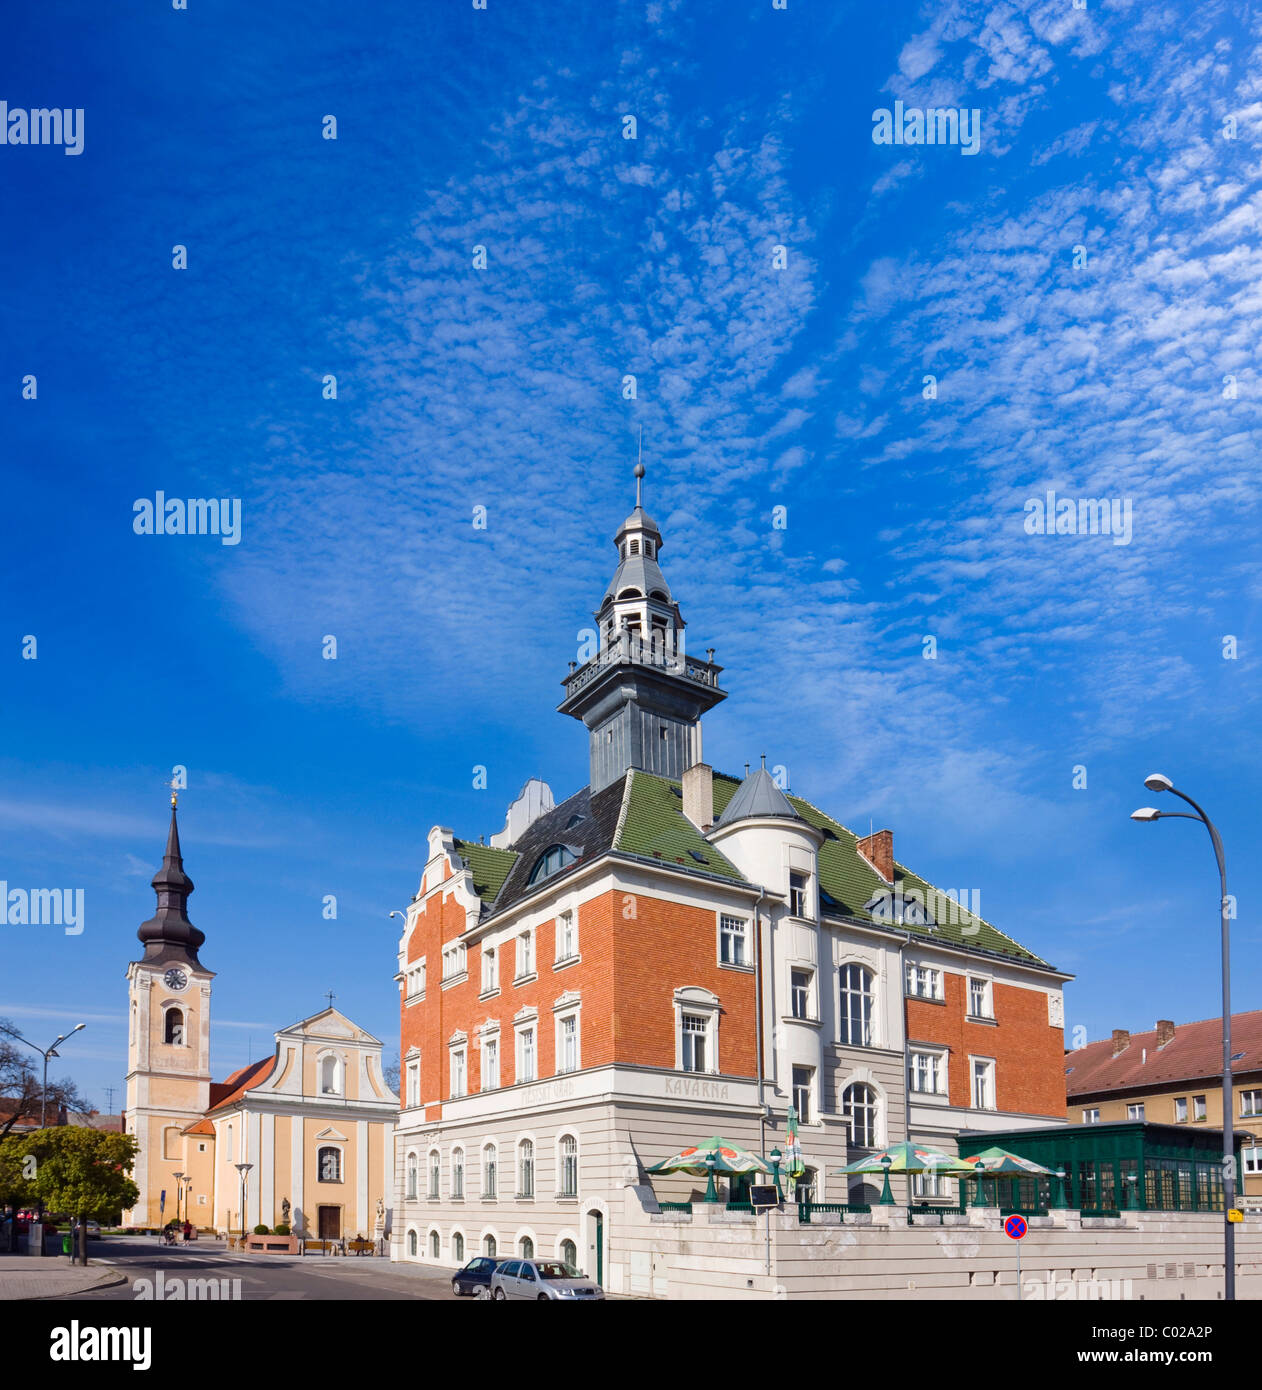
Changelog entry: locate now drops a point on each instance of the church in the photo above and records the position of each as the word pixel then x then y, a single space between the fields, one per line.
pixel 670 953
pixel 304 1135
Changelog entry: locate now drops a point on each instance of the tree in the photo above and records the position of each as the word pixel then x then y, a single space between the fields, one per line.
pixel 390 1073
pixel 80 1172
pixel 21 1085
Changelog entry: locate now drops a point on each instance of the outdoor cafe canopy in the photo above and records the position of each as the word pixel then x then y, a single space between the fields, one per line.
pixel 728 1158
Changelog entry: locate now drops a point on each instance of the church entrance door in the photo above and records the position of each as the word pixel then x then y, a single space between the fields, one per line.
pixel 330 1223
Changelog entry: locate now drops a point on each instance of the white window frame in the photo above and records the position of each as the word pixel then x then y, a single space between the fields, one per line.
pixel 877 1107
pixel 562 1191
pixel 490 970
pixel 1180 1110
pixel 520 1030
pixel 1200 1108
pixel 415 980
pixel 490 1190
pixel 727 925
pixel 940 1069
pixel 810 1014
pixel 804 902
pixel 433 1175
pixel 1250 1104
pixel 569 1014
pixel 413 1085
pixel 458 1071
pixel 455 962
pixel 869 993
pixel 413 1170
pixel 987 993
pixel 926 975
pixel 566 936
pixel 524 956
pixel 521 1187
pixel 457 1173
pixel 700 1003
pixel 489 1075
pixel 1135 1111
pixel 806 1114
pixel 928 1184
pixel 989 1085
pixel 1091 1116
pixel 1251 1157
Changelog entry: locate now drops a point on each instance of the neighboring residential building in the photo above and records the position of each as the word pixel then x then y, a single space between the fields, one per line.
pixel 314 1120
pixel 1173 1075
pixel 671 953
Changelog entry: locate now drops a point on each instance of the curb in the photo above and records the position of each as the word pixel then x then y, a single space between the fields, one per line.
pixel 111 1281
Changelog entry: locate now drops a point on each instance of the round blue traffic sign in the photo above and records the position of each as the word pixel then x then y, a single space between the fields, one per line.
pixel 1015 1227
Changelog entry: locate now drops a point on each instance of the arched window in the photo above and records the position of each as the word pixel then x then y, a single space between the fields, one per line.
pixel 569 1254
pixel 457 1172
pixel 489 1175
pixel 804 1187
pixel 412 1243
pixel 551 861
pixel 568 1166
pixel 526 1248
pixel 329 1164
pixel 457 1248
pixel 525 1169
pixel 330 1076
pixel 173 1027
pixel 489 1246
pixel 435 1172
pixel 856 1006
pixel 412 1176
pixel 435 1245
pixel 858 1104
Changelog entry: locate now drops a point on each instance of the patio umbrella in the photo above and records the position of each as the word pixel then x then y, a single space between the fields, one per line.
pixel 711 1156
pixel 903 1158
pixel 999 1163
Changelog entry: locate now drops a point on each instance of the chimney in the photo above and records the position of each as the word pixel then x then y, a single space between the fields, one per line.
pixel 1121 1041
pixel 1165 1031
pixel 698 789
pixel 878 850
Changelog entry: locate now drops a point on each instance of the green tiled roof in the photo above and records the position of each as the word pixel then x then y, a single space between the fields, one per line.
pixel 489 866
pixel 850 881
pixel 655 826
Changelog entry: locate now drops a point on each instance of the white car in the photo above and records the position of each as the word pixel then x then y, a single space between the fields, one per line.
pixel 542 1281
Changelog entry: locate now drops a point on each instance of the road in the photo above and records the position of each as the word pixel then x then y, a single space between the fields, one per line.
pixel 262 1277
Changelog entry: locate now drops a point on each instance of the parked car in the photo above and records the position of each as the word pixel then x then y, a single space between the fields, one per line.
pixel 475 1277
pixel 541 1279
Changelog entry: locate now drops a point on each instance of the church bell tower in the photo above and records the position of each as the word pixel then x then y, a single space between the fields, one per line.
pixel 168 1038
pixel 641 696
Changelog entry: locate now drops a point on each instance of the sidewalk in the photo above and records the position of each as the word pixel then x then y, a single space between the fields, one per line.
pixel 51 1276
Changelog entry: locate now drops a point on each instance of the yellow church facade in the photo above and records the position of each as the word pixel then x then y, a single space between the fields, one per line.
pixel 305 1136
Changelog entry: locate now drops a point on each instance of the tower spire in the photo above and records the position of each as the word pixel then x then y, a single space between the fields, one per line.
pixel 169 933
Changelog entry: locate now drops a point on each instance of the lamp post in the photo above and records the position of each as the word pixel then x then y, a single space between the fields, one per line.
pixel 1156 782
pixel 887 1197
pixel 179 1189
pixel 46 1053
pixel 1059 1200
pixel 979 1196
pixel 243 1169
pixel 711 1162
pixel 1131 1179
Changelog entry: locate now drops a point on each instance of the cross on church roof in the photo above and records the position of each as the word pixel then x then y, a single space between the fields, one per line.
pixel 330 996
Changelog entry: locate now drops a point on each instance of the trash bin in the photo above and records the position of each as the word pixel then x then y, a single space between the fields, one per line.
pixel 65 1244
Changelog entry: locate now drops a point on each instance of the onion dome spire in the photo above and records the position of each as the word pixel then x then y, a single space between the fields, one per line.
pixel 169 933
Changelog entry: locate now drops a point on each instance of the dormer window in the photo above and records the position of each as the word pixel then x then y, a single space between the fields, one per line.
pixel 552 861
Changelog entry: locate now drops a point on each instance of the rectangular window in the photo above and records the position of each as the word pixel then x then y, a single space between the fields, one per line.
pixel 490 1064
pixel 800 993
pixel 983 1084
pixel 1181 1110
pixel 696 1032
pixel 454 964
pixel 927 1184
pixel 525 954
pixel 567 936
pixel 732 941
pixel 1250 1103
pixel 978 998
pixel 924 981
pixel 416 979
pixel 856 1006
pixel 1253 1159
pixel 490 970
pixel 435 1174
pixel 567 1051
pixel 1135 1112
pixel 797 895
pixel 802 1077
pixel 459 1078
pixel 928 1073
pixel 414 1084
pixel 1091 1117
pixel 1198 1107
pixel 526 1055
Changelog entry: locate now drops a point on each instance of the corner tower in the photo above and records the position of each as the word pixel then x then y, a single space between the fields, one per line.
pixel 641 696
pixel 168 1038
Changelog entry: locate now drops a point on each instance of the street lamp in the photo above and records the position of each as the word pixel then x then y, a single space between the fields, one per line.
pixel 711 1163
pixel 979 1193
pixel 776 1156
pixel 179 1181
pixel 243 1169
pixel 887 1197
pixel 46 1053
pixel 1156 782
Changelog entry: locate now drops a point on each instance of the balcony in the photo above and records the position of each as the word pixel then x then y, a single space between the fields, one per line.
pixel 627 648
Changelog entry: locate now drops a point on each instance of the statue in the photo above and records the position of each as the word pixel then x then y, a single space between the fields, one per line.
pixel 284 1211
pixel 381 1211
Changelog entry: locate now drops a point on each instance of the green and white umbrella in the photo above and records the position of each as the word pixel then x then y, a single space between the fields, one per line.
pixel 903 1158
pixel 728 1158
pixel 999 1163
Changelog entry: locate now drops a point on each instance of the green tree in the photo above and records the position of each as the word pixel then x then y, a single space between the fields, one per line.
pixel 81 1172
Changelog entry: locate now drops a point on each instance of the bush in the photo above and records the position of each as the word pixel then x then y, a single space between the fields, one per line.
pixel 261 1230
pixel 282 1229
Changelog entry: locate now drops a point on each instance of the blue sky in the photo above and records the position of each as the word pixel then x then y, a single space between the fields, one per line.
pixel 757 388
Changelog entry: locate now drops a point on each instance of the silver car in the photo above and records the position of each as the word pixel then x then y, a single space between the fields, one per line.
pixel 542 1279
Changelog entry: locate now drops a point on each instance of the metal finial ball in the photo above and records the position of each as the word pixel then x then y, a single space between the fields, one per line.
pixel 638 470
